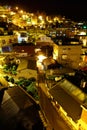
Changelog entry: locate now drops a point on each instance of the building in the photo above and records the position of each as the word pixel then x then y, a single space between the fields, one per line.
pixel 69 55
pixel 66 101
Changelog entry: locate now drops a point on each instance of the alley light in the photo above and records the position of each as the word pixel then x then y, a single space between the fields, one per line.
pixel 21 11
pixel 40 17
pixel 39 62
pixel 41 58
pixel 16 7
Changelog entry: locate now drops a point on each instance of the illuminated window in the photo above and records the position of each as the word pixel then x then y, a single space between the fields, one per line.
pixel 64 57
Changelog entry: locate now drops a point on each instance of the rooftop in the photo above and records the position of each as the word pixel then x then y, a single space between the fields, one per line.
pixel 69 97
pixel 19 111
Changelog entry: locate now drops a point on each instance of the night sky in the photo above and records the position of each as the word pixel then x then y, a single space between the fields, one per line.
pixel 73 9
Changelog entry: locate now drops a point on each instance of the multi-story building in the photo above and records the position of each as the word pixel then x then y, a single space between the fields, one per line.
pixel 69 55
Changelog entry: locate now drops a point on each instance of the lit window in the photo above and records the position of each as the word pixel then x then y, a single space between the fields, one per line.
pixel 64 57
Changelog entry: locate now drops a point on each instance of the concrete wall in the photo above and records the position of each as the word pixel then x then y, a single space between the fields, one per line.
pixel 68 54
pixel 8 39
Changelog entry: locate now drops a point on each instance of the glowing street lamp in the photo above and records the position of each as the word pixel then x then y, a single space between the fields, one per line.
pixel 40 17
pixel 40 65
pixel 41 58
pixel 21 11
pixel 16 8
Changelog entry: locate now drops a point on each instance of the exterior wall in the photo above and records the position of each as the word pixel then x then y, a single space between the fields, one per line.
pixel 83 39
pixel 5 40
pixel 30 50
pixel 55 114
pixel 52 115
pixel 67 54
pixel 84 116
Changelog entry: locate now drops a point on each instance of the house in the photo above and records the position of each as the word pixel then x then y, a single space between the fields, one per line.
pixel 66 101
pixel 68 54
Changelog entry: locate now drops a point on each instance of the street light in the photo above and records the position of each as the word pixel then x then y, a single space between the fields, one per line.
pixel 39 62
pixel 41 57
pixel 16 7
pixel 40 17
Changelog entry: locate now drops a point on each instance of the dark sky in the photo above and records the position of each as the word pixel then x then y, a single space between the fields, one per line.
pixel 73 9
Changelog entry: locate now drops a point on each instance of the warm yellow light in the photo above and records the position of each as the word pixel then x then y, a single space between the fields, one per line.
pixel 40 17
pixel 3 16
pixel 50 21
pixel 16 8
pixel 12 13
pixel 82 33
pixel 34 22
pixel 24 16
pixel 21 11
pixel 41 58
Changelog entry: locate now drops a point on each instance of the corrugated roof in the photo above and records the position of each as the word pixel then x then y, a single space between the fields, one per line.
pixel 68 102
pixel 73 90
